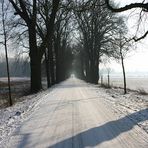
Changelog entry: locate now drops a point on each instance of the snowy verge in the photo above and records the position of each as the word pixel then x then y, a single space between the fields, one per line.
pixel 12 117
pixel 128 104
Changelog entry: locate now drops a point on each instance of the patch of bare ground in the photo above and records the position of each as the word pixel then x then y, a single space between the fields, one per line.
pixel 18 89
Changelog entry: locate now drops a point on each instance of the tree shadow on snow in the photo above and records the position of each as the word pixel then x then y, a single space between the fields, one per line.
pixel 94 136
pixel 97 135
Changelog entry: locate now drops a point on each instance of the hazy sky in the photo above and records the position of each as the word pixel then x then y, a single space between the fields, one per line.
pixel 136 60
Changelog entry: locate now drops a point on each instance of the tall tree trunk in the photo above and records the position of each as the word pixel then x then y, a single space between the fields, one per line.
pixel 98 70
pixel 8 74
pixel 94 72
pixel 51 63
pixel 6 53
pixel 108 80
pixel 123 70
pixel 35 61
pixel 82 68
pixel 57 58
pixel 48 76
pixel 87 67
pixel 35 64
pixel 57 71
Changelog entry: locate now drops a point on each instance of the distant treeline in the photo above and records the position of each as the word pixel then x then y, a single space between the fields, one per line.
pixel 18 68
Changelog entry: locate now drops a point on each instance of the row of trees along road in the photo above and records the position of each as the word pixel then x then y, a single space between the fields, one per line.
pixel 98 28
pixel 42 24
pixel 46 28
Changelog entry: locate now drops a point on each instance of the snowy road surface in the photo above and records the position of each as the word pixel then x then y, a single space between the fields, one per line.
pixel 74 116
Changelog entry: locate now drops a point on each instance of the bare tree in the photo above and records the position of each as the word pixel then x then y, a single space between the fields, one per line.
pixel 97 26
pixel 143 6
pixel 62 39
pixel 5 35
pixel 28 12
pixel 108 69
pixel 121 46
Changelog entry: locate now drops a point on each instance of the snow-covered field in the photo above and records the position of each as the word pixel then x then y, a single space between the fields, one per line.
pixel 17 84
pixel 20 86
pixel 133 83
pixel 131 105
pixel 16 79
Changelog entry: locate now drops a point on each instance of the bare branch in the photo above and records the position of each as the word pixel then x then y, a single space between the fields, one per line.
pixel 144 6
pixel 142 37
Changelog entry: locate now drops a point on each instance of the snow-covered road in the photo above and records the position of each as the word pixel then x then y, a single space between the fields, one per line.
pixel 73 115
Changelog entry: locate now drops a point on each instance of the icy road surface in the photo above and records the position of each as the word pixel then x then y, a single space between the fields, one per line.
pixel 74 116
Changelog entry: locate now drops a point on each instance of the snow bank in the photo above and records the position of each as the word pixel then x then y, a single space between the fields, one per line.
pixel 127 104
pixel 12 117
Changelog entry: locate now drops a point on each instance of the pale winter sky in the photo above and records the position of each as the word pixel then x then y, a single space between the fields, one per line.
pixel 136 60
